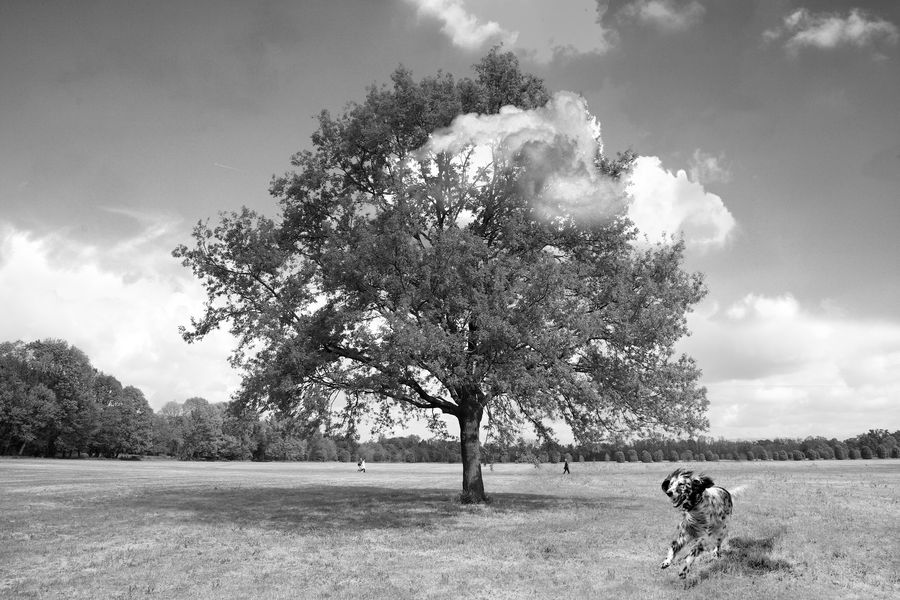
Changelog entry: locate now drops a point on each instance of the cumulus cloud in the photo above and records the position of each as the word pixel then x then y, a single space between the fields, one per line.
pixel 462 27
pixel 666 203
pixel 776 368
pixel 825 31
pixel 559 142
pixel 665 15
pixel 121 305
pixel 708 168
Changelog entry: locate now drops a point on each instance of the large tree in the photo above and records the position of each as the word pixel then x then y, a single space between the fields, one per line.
pixel 400 277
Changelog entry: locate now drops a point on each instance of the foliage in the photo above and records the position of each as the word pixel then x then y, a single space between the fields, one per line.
pixel 54 402
pixel 399 279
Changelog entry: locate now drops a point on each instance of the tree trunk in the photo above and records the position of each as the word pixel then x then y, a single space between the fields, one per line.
pixel 470 446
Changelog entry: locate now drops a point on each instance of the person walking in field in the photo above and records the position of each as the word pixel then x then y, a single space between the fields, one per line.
pixel 566 467
pixel 361 466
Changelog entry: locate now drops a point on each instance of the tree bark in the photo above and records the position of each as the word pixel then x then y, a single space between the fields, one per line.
pixel 469 427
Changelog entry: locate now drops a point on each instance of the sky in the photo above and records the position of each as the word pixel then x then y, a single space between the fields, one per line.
pixel 769 135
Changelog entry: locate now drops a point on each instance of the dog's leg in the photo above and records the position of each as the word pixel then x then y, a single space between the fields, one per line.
pixel 675 548
pixel 695 552
pixel 717 551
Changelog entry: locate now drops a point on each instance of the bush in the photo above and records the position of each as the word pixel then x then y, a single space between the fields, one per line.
pixel 855 454
pixel 632 455
pixel 865 452
pixel 658 456
pixel 700 457
pixel 646 457
pixel 895 452
pixel 813 455
pixel 673 456
pixel 798 455
pixel 881 451
pixel 711 456
pixel 687 455
pixel 620 456
pixel 840 453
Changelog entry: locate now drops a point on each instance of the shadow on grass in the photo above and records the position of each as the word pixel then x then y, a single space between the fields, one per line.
pixel 747 556
pixel 342 507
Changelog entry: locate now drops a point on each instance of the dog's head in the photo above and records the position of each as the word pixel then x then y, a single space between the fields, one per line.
pixel 684 488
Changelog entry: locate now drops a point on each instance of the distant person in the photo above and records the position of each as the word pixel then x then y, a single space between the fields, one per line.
pixel 566 467
pixel 361 466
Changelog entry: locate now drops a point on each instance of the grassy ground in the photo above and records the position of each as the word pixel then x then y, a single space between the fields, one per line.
pixel 160 529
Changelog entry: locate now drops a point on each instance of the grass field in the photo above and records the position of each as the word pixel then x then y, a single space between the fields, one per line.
pixel 162 529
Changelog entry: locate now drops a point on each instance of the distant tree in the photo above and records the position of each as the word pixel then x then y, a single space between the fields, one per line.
pixel 620 456
pixel 895 452
pixel 399 277
pixel 68 373
pixel 658 455
pixel 866 452
pixel 646 457
pixel 855 454
pixel 882 451
pixel 322 449
pixel 798 455
pixel 125 422
pixel 28 409
pixel 673 456
pixel 687 455
pixel 201 430
pixel 631 455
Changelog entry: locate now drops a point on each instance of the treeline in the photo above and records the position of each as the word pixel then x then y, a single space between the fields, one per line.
pixel 876 443
pixel 54 403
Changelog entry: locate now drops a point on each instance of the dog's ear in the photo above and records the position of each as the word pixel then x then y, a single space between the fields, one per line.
pixel 703 481
pixel 668 480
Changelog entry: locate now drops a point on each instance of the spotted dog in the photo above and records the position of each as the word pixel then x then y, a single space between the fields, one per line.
pixel 705 508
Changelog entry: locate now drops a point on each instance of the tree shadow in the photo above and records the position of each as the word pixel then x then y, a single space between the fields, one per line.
pixel 340 507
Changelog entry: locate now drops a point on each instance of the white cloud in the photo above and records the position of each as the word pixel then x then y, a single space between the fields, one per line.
pixel 665 15
pixel 121 305
pixel 666 203
pixel 825 31
pixel 560 140
pixel 708 168
pixel 563 139
pixel 774 368
pixel 462 27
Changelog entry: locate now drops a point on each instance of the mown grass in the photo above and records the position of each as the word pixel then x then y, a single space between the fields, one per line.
pixel 161 529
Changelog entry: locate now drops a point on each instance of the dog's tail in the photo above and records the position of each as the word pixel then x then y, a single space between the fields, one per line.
pixel 739 490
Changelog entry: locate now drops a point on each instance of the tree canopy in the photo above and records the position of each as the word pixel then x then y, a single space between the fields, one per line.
pixel 403 275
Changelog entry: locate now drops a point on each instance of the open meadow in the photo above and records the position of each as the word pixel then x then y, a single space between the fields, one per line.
pixel 164 529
